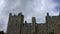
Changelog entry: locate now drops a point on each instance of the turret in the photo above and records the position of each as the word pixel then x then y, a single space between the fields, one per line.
pixel 20 18
pixel 10 16
pixel 48 23
pixel 33 20
pixel 33 25
pixel 20 21
pixel 9 23
pixel 15 24
pixel 47 17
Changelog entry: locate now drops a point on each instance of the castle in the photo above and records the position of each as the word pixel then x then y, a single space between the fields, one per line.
pixel 16 25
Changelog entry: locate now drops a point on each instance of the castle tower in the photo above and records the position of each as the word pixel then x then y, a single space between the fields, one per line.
pixel 49 23
pixel 20 19
pixel 33 25
pixel 47 17
pixel 15 24
pixel 9 23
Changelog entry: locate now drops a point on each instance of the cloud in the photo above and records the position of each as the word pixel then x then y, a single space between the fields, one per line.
pixel 57 7
pixel 39 9
pixel 30 8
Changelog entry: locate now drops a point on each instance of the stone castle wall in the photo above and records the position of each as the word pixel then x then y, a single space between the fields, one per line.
pixel 16 25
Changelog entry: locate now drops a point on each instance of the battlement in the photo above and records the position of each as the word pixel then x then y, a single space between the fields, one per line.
pixel 16 25
pixel 47 17
pixel 10 14
pixel 52 16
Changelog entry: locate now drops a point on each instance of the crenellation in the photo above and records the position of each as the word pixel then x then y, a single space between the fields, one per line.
pixel 33 20
pixel 16 25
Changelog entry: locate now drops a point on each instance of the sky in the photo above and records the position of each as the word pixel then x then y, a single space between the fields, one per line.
pixel 30 8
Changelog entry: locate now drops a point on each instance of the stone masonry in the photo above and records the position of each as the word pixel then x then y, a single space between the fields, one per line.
pixel 16 25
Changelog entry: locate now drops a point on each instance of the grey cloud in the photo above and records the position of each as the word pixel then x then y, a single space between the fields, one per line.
pixel 57 7
pixel 57 1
